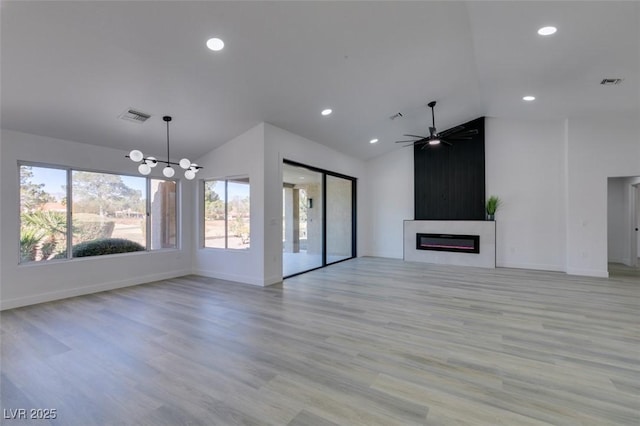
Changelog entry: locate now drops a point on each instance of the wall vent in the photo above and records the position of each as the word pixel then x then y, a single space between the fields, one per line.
pixel 134 115
pixel 610 81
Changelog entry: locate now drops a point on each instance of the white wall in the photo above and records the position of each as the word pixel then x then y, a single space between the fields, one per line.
pixel 281 144
pixel 241 156
pixel 617 223
pixel 390 201
pixel 38 282
pixel 597 148
pixel 525 168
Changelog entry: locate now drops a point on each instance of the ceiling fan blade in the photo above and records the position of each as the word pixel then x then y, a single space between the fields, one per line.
pixel 414 144
pixel 452 130
pixel 413 140
pixel 415 136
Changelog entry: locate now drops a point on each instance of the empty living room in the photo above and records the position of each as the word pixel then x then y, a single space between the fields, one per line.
pixel 319 213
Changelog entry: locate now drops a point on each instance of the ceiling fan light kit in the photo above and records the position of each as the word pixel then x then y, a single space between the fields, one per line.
pixel 435 138
pixel 147 163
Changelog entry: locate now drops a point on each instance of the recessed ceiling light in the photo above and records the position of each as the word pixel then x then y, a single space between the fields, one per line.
pixel 373 140
pixel 215 44
pixel 545 31
pixel 326 111
pixel 528 98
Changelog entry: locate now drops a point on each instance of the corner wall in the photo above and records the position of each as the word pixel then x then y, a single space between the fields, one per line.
pixel 390 193
pixel 241 156
pixel 530 234
pixel 40 282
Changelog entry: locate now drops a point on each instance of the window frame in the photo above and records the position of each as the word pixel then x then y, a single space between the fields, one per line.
pixel 178 201
pixel 201 197
pixel 69 213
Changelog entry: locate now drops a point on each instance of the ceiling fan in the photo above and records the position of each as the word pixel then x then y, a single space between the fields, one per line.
pixel 435 138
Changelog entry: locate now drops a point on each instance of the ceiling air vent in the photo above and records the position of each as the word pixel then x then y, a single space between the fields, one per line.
pixel 610 81
pixel 134 115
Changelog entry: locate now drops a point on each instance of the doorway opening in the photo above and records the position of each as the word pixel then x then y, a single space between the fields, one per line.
pixel 318 218
pixel 623 224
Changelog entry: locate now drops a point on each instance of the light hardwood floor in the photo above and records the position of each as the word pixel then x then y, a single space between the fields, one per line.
pixel 365 342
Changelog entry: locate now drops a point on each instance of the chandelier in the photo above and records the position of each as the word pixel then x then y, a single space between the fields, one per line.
pixel 147 163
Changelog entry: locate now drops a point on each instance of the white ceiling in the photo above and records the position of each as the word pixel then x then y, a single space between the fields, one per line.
pixel 68 69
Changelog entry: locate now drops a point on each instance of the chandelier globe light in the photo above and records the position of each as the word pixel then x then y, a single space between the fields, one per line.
pixel 147 163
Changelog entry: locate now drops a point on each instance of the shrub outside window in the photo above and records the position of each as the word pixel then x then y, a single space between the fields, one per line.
pixel 107 213
pixel 227 214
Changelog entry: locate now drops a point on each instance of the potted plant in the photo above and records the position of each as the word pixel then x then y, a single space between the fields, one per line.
pixel 492 205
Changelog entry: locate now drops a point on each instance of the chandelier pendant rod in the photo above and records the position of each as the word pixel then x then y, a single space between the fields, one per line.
pixel 167 119
pixel 152 160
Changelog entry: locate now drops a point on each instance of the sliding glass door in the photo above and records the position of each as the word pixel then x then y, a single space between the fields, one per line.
pixel 318 220
pixel 339 218
pixel 302 220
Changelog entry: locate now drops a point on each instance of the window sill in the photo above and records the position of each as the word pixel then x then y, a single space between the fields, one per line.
pixel 87 258
pixel 226 250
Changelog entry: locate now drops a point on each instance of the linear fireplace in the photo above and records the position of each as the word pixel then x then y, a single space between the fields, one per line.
pixel 448 242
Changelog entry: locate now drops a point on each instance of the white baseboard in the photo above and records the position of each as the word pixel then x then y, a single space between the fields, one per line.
pixel 533 266
pixel 588 272
pixel 242 279
pixel 272 281
pixel 385 254
pixel 96 288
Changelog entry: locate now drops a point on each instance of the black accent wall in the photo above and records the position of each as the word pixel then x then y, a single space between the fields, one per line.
pixel 449 180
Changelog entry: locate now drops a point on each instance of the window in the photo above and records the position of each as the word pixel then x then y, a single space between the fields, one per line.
pixel 227 214
pixel 108 213
pixel 43 213
pixel 107 206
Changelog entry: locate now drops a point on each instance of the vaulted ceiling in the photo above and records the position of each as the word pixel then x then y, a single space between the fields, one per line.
pixel 68 69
